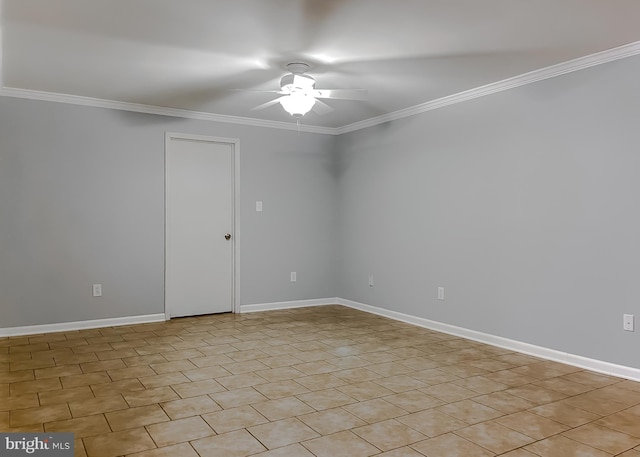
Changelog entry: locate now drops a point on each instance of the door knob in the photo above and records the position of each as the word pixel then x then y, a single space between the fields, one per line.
pixel 227 236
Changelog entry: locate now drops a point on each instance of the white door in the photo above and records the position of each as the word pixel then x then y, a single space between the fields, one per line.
pixel 199 262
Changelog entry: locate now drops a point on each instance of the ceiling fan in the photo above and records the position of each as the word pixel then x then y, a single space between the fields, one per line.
pixel 299 95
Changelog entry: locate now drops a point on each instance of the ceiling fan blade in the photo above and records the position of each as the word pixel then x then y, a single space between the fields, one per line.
pixel 268 104
pixel 195 92
pixel 259 91
pixel 321 108
pixel 342 94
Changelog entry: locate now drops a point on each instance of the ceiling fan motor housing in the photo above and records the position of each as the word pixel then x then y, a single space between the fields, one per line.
pixel 297 68
pixel 297 82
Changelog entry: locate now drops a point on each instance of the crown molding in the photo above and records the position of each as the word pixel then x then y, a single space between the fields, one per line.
pixel 620 52
pixel 158 110
pixel 570 66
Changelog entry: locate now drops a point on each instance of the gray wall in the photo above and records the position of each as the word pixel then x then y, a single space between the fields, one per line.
pixel 523 205
pixel 82 202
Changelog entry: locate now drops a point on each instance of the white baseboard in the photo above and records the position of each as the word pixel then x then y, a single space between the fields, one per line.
pixel 81 325
pixel 288 305
pixel 598 366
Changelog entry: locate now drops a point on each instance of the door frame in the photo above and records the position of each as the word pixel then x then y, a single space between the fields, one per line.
pixel 235 229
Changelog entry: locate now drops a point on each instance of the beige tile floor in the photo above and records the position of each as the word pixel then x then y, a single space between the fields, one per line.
pixel 323 381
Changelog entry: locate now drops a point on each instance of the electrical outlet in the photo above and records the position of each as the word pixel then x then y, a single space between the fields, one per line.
pixel 293 276
pixel 97 290
pixel 258 206
pixel 440 293
pixel 627 323
pixel 370 280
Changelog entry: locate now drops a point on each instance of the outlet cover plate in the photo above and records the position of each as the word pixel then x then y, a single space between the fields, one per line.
pixel 628 323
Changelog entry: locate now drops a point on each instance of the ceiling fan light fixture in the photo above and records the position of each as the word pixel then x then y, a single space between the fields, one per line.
pixel 299 95
pixel 297 104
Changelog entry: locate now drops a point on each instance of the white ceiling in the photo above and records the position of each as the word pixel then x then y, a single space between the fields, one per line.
pixel 192 54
